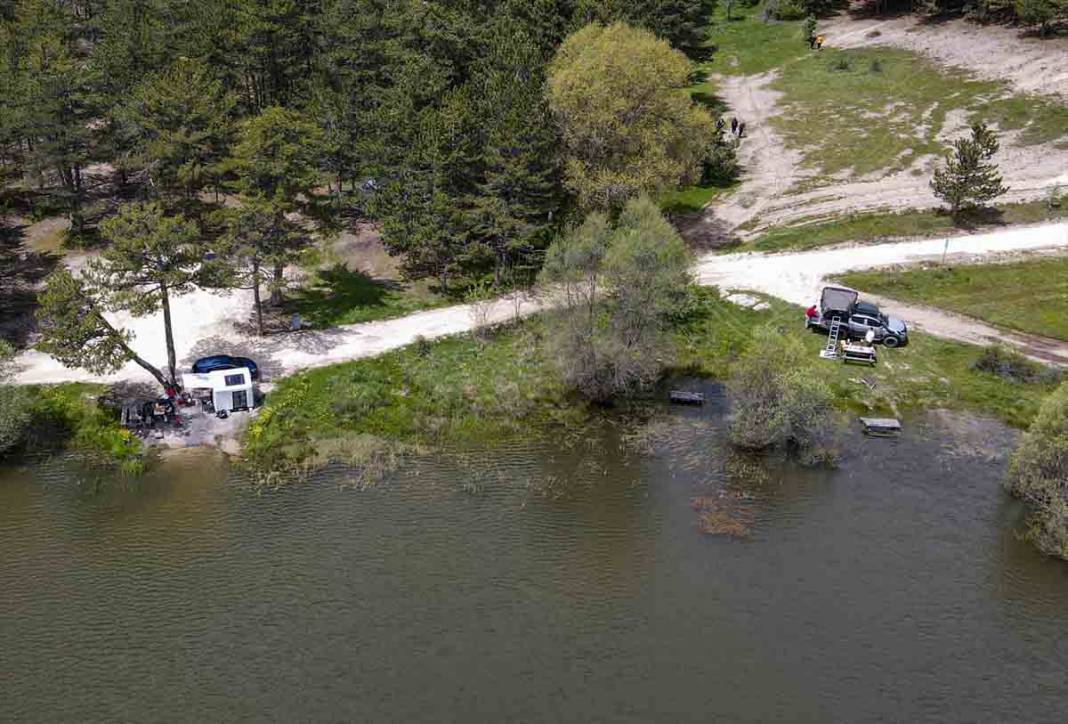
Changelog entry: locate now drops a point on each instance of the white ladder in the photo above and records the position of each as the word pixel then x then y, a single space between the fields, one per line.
pixel 830 351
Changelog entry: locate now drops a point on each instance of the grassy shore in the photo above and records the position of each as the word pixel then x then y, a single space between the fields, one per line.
pixel 1028 296
pixel 879 226
pixel 69 416
pixel 461 390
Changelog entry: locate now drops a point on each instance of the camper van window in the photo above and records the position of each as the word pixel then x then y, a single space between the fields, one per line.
pixel 233 380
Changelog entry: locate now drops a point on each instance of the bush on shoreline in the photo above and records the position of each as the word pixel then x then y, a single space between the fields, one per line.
pixel 1038 475
pixel 778 400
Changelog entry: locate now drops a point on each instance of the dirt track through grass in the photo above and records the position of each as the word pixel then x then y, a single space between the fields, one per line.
pixel 1029 296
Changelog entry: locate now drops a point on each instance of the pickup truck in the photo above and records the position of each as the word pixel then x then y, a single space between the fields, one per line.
pixel 858 318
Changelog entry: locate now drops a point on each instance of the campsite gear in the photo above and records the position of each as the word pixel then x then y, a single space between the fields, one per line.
pixel 830 350
pixel 857 318
pixel 880 426
pixel 858 353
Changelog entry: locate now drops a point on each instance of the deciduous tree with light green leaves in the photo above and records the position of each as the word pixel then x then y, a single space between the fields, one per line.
pixel 629 125
pixel 620 285
pixel 1038 475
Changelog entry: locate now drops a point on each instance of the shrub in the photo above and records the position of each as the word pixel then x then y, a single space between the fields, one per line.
pixel 876 66
pixel 720 166
pixel 841 63
pixel 1038 474
pixel 785 9
pixel 1010 365
pixel 14 405
pixel 779 401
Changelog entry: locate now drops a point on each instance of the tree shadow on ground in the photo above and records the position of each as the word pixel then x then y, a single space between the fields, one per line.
pixel 337 291
pixel 978 218
pixel 21 272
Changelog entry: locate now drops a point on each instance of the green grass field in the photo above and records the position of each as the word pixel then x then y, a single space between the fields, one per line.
pixel 1029 296
pixel 460 390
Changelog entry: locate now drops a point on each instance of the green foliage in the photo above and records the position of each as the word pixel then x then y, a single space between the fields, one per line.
pixel 629 125
pixel 620 287
pixel 720 166
pixel 1038 474
pixel 74 416
pixel 74 330
pixel 14 404
pixel 275 159
pixel 779 400
pixel 1041 12
pixel 180 122
pixel 968 178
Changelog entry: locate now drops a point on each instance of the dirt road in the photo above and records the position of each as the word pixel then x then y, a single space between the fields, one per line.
pixel 206 323
pixel 798 277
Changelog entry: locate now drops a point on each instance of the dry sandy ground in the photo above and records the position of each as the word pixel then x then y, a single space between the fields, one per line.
pixel 992 52
pixel 205 322
pixel 771 169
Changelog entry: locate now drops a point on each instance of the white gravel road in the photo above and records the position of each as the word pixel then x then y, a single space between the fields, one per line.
pixel 207 323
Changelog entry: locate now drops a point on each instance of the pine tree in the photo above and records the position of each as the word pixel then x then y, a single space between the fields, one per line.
pixel 180 124
pixel 515 204
pixel 54 106
pixel 968 178
pixel 75 331
pixel 275 164
pixel 150 259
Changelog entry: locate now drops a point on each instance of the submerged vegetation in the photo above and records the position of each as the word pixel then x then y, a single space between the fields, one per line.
pixel 465 391
pixel 1039 476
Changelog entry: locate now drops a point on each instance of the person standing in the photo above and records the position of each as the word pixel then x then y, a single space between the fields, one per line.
pixel 741 130
pixel 819 42
pixel 734 125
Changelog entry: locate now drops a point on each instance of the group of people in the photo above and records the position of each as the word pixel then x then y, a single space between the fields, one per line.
pixel 737 127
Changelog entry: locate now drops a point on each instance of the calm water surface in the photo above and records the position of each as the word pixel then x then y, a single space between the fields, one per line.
pixel 537 584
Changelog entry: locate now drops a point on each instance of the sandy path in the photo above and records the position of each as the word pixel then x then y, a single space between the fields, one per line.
pixel 205 322
pixel 992 52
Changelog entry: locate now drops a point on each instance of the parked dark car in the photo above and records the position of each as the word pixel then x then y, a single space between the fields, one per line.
pixel 859 318
pixel 225 362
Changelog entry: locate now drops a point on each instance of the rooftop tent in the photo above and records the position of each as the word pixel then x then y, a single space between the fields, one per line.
pixel 837 300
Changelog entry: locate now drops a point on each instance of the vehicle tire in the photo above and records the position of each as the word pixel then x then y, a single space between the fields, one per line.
pixel 891 341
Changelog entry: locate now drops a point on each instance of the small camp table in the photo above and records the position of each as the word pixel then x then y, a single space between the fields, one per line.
pixel 859 353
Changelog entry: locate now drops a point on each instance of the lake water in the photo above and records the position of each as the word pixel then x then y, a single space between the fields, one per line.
pixel 538 584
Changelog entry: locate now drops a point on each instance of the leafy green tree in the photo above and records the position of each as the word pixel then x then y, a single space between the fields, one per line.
pixel 151 258
pixel 779 401
pixel 628 122
pixel 181 120
pixel 1038 474
pixel 620 287
pixel 75 331
pixel 14 404
pixel 275 163
pixel 968 178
